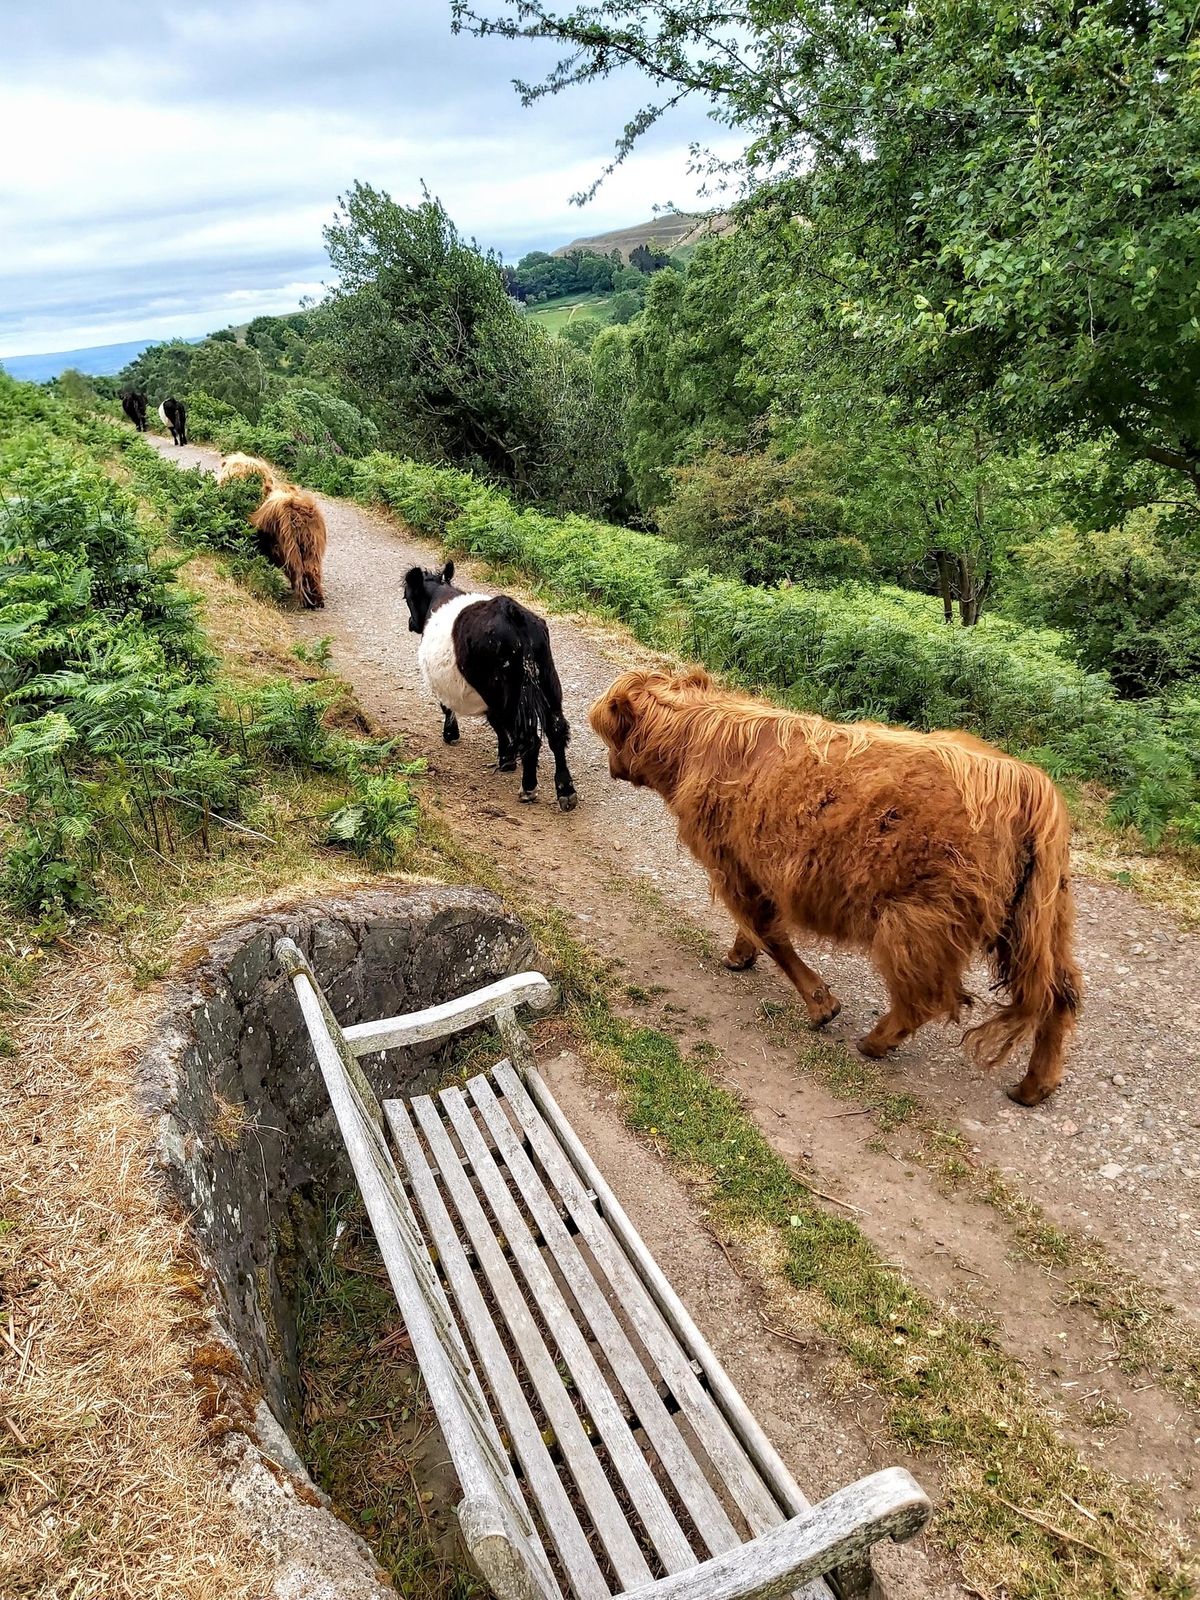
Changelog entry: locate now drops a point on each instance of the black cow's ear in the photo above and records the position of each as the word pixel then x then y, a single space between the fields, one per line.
pixel 448 572
pixel 414 579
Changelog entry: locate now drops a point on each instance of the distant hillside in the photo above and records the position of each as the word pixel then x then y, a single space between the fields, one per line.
pixel 98 361
pixel 668 232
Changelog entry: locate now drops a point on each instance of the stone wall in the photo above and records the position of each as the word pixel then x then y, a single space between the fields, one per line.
pixel 246 1134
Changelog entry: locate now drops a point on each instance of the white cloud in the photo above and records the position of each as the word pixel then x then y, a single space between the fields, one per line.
pixel 162 176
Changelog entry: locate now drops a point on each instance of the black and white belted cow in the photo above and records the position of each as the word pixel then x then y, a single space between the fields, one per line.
pixel 490 657
pixel 174 416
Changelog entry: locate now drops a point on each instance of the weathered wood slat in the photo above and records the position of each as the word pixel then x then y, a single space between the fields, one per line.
pixel 624 1451
pixel 558 1515
pixel 610 1521
pixel 760 1449
pixel 622 1267
pixel 390 1033
pixel 697 1494
pixel 886 1505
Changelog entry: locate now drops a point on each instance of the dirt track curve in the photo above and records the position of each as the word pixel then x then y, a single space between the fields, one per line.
pixel 1115 1153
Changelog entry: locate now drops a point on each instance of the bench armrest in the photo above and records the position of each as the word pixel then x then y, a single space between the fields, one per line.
pixel 841 1529
pixel 391 1033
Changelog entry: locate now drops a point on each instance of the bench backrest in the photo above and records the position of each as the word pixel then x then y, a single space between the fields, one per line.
pixel 495 1522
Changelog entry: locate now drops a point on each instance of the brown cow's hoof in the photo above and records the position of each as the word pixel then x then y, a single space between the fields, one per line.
pixel 871 1048
pixel 1029 1094
pixel 528 796
pixel 823 1007
pixel 568 802
pixel 737 963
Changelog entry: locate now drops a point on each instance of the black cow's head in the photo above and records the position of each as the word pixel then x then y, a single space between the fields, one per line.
pixel 423 590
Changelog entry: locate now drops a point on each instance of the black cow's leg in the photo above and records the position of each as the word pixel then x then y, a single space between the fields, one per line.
pixel 449 726
pixel 530 750
pixel 557 733
pixel 506 750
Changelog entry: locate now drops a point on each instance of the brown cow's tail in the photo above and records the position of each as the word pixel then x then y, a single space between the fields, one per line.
pixel 1033 956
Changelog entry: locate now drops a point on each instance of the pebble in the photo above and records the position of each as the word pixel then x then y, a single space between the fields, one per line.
pixel 1110 1171
pixel 1118 1079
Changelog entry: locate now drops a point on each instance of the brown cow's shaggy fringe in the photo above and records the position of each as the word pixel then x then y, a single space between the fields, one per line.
pixel 923 849
pixel 241 466
pixel 292 532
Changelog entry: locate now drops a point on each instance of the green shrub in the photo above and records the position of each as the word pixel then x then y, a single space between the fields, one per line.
pixel 1128 596
pixel 626 573
pixel 761 518
pixel 117 738
pixel 114 735
pixel 882 653
pixel 427 497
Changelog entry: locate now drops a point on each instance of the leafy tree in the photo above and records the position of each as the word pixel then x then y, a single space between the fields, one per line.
pixel 162 370
pixel 762 518
pixel 645 259
pixel 421 334
pixel 233 373
pixel 581 331
pixel 692 384
pixel 1129 597
pixel 625 306
pixel 320 424
pixel 1004 202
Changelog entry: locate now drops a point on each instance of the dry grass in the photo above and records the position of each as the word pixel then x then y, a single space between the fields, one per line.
pixel 111 1485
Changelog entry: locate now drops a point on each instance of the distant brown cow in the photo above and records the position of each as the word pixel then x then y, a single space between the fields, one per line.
pixel 923 849
pixel 291 534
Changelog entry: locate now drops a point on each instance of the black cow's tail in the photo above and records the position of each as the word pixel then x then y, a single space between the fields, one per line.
pixel 539 702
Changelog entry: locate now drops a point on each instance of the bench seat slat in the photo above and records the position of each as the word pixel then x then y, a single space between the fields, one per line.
pixel 610 1520
pixel 710 1516
pixel 558 1515
pixel 753 1498
pixel 594 1389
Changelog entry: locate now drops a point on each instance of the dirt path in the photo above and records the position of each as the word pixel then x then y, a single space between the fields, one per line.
pixel 1116 1153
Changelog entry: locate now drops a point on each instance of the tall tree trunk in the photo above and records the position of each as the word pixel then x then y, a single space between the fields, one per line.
pixel 944 585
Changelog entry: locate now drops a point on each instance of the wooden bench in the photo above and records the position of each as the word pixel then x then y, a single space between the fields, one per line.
pixel 600 1447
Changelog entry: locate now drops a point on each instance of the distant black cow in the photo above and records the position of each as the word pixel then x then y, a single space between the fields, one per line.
pixel 491 658
pixel 174 416
pixel 133 404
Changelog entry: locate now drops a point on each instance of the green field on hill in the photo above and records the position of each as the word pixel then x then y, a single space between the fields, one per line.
pixel 554 315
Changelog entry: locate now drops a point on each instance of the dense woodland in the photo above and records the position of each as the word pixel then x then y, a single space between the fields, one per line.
pixel 943 371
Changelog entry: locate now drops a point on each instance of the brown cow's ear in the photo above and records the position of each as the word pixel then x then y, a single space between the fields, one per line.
pixel 612 717
pixel 693 678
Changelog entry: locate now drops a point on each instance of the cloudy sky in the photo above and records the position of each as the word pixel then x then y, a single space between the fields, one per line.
pixel 166 168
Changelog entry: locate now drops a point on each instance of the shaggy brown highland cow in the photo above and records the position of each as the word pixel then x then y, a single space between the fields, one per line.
pixel 922 849
pixel 291 534
pixel 240 466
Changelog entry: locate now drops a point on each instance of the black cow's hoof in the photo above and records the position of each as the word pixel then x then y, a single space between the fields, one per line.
pixel 528 796
pixel 568 802
pixel 507 766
